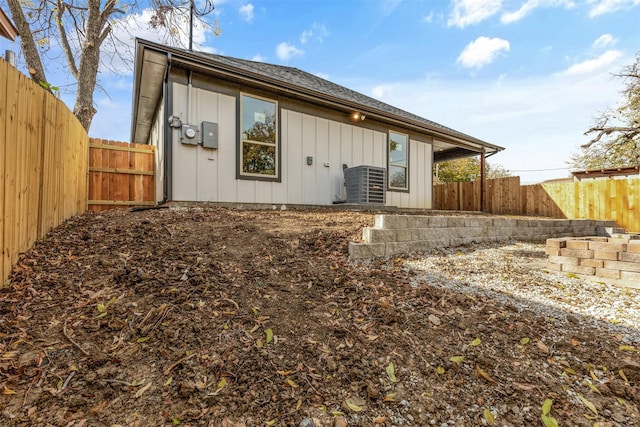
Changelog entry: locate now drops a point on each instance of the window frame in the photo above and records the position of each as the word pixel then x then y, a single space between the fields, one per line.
pixel 240 173
pixel 390 187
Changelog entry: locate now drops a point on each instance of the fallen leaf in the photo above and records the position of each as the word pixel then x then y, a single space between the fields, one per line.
pixel 391 397
pixel 588 404
pixel 353 404
pixel 284 373
pixel 484 375
pixel 549 421
pixel 7 390
pixel 488 416
pixel 143 339
pixel 628 348
pixel 269 334
pixel 391 372
pixel 292 383
pixel 591 386
pixel 439 370
pixel 475 342
pixel 546 406
pixel 456 359
pixel 623 376
pixel 525 341
pixel 270 423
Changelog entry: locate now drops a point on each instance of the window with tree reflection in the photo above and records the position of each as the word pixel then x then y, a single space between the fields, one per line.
pixel 259 138
pixel 398 161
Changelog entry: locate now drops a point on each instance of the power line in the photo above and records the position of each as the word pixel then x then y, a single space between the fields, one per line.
pixel 540 170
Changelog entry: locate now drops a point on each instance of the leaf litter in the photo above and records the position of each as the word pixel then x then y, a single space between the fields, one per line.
pixel 153 318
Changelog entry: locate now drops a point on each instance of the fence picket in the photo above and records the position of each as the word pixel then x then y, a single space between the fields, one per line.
pixel 614 199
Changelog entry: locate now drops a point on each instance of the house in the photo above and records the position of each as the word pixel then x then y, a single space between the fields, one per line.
pixel 230 130
pixel 7 29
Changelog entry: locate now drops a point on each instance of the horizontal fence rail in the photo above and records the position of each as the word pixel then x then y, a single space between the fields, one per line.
pixel 43 164
pixel 601 199
pixel 120 174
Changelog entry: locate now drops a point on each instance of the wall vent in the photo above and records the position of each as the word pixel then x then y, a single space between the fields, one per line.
pixel 366 185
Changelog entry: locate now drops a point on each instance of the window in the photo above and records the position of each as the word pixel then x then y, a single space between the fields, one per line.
pixel 259 138
pixel 398 161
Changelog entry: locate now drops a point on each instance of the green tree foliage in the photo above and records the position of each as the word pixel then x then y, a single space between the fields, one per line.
pixel 467 169
pixel 616 134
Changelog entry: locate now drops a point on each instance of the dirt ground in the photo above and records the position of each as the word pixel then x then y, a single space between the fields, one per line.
pixel 229 318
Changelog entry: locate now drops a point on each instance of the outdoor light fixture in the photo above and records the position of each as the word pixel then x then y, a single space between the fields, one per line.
pixel 357 116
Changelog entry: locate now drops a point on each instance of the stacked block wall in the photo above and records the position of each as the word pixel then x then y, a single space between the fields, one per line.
pixel 606 257
pixel 401 234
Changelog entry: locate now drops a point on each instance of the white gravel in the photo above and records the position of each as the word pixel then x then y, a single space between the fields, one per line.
pixel 514 274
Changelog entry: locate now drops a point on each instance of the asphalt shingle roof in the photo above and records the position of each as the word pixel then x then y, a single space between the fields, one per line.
pixel 314 83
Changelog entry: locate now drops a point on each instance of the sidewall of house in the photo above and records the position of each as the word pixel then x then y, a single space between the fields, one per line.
pixel 210 175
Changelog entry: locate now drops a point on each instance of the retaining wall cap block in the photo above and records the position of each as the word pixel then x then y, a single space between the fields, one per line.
pixel 553 266
pixel 577 244
pixel 560 242
pixel 607 246
pixel 366 250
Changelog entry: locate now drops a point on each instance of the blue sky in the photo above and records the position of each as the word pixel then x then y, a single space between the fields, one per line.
pixel 529 75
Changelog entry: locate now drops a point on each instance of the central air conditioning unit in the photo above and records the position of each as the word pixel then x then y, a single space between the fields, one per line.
pixel 366 185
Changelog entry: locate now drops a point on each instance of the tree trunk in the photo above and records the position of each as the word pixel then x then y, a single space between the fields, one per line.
pixel 27 44
pixel 89 65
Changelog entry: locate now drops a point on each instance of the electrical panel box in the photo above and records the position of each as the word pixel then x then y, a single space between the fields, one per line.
pixel 209 135
pixel 190 134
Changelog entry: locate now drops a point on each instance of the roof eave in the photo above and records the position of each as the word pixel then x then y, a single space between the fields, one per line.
pixel 233 73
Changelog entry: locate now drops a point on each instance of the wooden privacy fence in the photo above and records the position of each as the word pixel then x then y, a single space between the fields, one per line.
pixel 120 174
pixel 604 199
pixel 43 164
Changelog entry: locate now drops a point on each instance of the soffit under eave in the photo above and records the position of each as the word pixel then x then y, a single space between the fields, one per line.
pixel 7 29
pixel 151 78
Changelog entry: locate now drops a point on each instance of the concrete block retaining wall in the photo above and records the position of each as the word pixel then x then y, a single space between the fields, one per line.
pixel 399 234
pixel 615 257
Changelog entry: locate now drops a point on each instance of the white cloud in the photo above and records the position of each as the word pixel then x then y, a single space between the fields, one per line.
pixel 247 12
pixel 468 12
pixel 286 51
pixel 601 7
pixel 604 40
pixel 258 58
pixel 540 121
pixel 317 32
pixel 323 75
pixel 429 18
pixel 482 51
pixel 530 5
pixel 593 65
